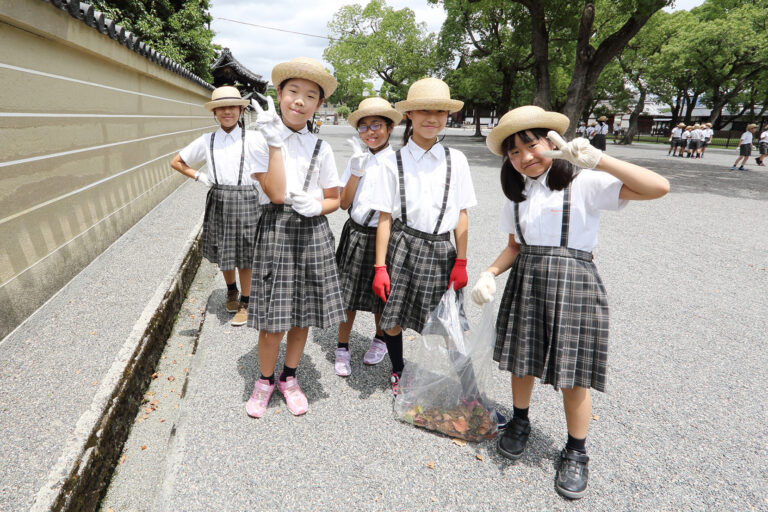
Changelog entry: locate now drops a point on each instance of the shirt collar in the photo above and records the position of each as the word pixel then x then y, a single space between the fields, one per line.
pixel 381 154
pixel 418 152
pixel 234 134
pixel 287 132
pixel 541 180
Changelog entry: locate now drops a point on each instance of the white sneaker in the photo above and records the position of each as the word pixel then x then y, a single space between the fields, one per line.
pixel 376 352
pixel 342 366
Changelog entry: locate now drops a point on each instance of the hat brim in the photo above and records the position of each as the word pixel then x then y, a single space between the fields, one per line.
pixel 357 115
pixel 550 120
pixel 429 104
pixel 288 70
pixel 226 103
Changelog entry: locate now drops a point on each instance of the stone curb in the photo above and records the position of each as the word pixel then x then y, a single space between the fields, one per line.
pixel 81 473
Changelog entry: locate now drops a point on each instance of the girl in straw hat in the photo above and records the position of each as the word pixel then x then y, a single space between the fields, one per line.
pixel 745 147
pixel 707 132
pixel 374 120
pixel 232 206
pixel 421 200
pixel 674 139
pixel 601 130
pixel 553 319
pixel 294 270
pixel 686 140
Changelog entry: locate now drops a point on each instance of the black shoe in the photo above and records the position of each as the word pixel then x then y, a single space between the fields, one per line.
pixel 512 441
pixel 572 474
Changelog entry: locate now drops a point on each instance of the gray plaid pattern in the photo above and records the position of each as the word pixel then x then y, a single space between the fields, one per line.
pixel 355 257
pixel 229 229
pixel 419 270
pixel 295 282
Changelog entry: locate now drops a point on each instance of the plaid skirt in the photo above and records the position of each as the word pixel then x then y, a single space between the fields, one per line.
pixel 553 319
pixel 355 258
pixel 229 227
pixel 294 281
pixel 419 266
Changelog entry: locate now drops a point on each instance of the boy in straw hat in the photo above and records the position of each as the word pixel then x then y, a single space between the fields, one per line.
pixel 674 139
pixel 707 134
pixel 553 318
pixel 374 120
pixel 421 200
pixel 294 266
pixel 745 147
pixel 232 206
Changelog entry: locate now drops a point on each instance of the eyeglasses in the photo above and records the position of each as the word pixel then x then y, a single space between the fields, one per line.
pixel 374 127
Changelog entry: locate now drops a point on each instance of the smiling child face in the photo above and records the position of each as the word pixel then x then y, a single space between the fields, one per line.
pixel 299 100
pixel 376 132
pixel 526 157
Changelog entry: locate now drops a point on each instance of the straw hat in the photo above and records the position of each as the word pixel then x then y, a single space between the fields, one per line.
pixel 697 126
pixel 708 125
pixel 593 123
pixel 374 107
pixel 751 125
pixel 681 125
pixel 306 68
pixel 602 118
pixel 429 94
pixel 524 118
pixel 226 96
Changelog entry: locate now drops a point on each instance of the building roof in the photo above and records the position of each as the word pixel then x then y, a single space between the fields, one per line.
pixel 99 21
pixel 227 70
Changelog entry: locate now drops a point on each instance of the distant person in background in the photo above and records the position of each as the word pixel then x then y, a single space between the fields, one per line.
pixel 581 131
pixel 686 141
pixel 763 147
pixel 602 130
pixel 674 140
pixel 708 132
pixel 591 130
pixel 697 137
pixel 745 147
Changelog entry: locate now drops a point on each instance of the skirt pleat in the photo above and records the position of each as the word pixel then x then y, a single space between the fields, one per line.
pixel 295 281
pixel 229 226
pixel 553 320
pixel 355 258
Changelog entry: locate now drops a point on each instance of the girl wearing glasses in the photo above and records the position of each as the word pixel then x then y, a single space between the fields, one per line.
pixel 374 120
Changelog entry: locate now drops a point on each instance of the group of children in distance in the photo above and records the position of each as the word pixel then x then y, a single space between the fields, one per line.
pixel 690 141
pixel 745 147
pixel 395 257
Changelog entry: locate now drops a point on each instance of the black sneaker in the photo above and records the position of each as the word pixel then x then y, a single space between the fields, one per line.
pixel 572 474
pixel 512 441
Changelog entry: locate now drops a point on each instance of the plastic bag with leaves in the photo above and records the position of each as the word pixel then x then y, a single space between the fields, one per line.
pixel 443 383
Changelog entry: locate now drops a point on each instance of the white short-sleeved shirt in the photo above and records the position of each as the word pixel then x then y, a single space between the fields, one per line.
pixel 764 137
pixel 541 214
pixel 603 129
pixel 697 135
pixel 366 186
pixel 424 173
pixel 708 132
pixel 687 134
pixel 226 151
pixel 677 132
pixel 297 154
pixel 746 138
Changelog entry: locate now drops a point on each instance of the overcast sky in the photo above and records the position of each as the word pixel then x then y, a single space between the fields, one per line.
pixel 260 49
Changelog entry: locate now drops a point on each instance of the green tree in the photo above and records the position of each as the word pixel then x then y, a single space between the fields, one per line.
pixel 178 29
pixel 377 42
pixel 343 111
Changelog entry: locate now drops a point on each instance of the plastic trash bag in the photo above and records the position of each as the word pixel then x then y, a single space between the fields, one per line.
pixel 442 386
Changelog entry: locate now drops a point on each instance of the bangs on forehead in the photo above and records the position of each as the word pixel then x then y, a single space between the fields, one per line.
pixel 525 137
pixel 314 84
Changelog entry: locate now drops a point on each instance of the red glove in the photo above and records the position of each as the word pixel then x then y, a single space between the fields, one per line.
pixel 381 282
pixel 459 275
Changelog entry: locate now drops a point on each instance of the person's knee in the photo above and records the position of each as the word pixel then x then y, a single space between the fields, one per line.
pixel 394 331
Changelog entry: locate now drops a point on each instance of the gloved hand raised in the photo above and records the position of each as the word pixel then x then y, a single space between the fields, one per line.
pixel 268 122
pixel 203 178
pixel 458 277
pixel 579 151
pixel 306 205
pixel 359 158
pixel 484 288
pixel 381 282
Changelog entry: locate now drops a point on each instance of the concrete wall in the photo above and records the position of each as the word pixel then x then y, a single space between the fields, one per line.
pixel 87 130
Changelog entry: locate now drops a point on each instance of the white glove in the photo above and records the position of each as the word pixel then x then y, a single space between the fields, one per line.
pixel 359 158
pixel 484 288
pixel 579 151
pixel 203 178
pixel 306 205
pixel 269 123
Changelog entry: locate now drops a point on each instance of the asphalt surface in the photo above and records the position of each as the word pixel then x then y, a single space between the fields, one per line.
pixel 682 426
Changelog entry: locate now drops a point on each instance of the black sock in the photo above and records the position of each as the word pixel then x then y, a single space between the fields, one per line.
pixel 580 445
pixel 271 378
pixel 287 372
pixel 521 414
pixel 232 287
pixel 395 350
pixel 342 345
pixel 245 299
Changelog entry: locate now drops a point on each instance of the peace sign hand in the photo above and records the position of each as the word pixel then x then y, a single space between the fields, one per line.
pixel 268 122
pixel 579 151
pixel 359 158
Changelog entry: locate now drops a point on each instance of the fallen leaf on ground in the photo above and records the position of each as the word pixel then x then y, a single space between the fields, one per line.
pixel 162 420
pixel 154 402
pixel 277 411
pixel 92 333
pixel 122 459
pixel 143 447
pixel 171 378
pixel 479 457
pixel 595 417
pixel 186 370
pixel 94 383
pixel 173 362
pixel 78 371
pixel 431 465
pixel 459 442
pixel 411 337
pixel 181 345
pixel 434 498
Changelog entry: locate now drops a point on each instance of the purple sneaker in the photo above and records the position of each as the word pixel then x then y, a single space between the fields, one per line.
pixel 376 352
pixel 294 396
pixel 257 404
pixel 342 366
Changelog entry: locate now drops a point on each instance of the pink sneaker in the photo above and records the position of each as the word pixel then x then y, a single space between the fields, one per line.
pixel 257 404
pixel 342 366
pixel 395 380
pixel 294 397
pixel 376 352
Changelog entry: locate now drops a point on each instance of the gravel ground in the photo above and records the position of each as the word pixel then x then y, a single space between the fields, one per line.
pixel 682 426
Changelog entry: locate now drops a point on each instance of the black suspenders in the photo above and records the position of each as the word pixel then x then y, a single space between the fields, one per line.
pixel 242 158
pixel 564 227
pixel 312 164
pixel 401 180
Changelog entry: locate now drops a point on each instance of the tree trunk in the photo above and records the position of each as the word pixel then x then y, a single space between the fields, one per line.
pixel 506 92
pixel 632 131
pixel 478 132
pixel 540 49
pixel 690 104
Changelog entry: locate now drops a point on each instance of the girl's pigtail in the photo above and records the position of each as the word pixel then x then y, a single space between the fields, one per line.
pixel 512 183
pixel 407 132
